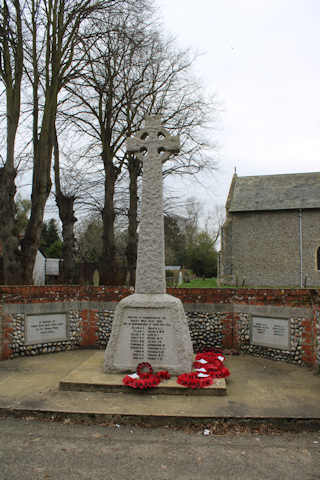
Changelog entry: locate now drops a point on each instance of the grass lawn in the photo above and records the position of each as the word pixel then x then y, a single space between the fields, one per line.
pixel 200 283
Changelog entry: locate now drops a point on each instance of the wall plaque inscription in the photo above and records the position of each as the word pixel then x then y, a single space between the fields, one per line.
pixel 149 334
pixel 270 332
pixel 45 328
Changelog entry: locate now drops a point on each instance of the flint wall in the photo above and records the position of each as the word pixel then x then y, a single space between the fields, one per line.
pixel 218 318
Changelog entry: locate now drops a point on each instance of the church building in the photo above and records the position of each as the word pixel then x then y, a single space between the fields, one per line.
pixel 271 236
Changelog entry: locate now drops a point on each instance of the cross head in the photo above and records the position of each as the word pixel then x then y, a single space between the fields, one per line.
pixel 153 141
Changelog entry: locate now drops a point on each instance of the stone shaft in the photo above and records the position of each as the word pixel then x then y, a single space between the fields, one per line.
pixel 152 145
pixel 150 274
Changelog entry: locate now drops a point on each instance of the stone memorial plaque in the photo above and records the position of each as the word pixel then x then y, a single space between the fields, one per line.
pixel 270 332
pixel 45 328
pixel 146 335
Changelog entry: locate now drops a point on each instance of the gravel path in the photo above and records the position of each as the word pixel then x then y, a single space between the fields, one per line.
pixel 34 450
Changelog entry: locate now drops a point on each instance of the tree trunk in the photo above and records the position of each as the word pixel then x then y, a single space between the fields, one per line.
pixel 41 185
pixel 132 246
pixel 108 261
pixel 11 68
pixel 65 205
pixel 12 267
pixel 66 213
pixel 31 240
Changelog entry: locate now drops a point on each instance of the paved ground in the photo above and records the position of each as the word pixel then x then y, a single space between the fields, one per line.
pixel 35 450
pixel 258 389
pixel 247 439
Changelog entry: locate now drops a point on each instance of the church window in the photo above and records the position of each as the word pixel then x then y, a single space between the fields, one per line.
pixel 318 258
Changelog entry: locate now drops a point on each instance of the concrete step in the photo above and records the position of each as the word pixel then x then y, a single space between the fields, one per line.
pixel 90 377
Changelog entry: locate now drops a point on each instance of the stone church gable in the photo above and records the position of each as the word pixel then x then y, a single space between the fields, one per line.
pixel 271 235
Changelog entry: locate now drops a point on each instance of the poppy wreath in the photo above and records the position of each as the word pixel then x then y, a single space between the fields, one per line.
pixel 145 379
pixel 141 369
pixel 212 362
pixel 216 369
pixel 210 356
pixel 209 365
pixel 192 380
pixel 223 372
pixel 141 383
pixel 163 375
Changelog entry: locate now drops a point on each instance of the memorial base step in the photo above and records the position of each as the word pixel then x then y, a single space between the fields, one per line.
pixel 90 377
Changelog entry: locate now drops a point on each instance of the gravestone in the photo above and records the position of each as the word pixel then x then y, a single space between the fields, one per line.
pixel 150 325
pixel 96 278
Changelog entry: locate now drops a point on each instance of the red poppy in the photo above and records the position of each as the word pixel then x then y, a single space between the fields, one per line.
pixel 209 365
pixel 163 375
pixel 192 380
pixel 143 379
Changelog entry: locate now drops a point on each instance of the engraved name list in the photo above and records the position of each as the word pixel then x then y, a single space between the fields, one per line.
pixel 149 333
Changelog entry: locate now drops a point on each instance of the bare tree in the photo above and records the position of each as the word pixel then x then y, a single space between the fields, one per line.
pixel 54 28
pixel 50 31
pixel 11 71
pixel 98 99
pixel 170 91
pixel 132 72
pixel 214 221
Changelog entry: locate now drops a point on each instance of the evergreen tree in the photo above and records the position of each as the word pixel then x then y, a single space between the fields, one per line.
pixel 50 242
pixel 202 256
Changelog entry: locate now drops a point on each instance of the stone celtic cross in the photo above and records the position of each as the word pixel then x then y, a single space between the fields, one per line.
pixel 153 145
pixel 150 325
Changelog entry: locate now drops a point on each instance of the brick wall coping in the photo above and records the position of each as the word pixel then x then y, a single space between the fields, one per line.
pixel 63 293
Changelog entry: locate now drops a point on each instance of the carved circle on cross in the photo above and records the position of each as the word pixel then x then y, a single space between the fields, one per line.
pixel 154 137
pixel 153 141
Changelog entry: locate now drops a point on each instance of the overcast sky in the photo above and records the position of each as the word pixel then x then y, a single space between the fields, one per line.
pixel 261 58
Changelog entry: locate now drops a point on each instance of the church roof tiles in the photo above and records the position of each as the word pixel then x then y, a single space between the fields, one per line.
pixel 274 192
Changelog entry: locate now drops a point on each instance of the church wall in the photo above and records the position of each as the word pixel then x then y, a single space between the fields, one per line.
pixel 265 249
pixel 225 270
pixel 262 249
pixel 310 243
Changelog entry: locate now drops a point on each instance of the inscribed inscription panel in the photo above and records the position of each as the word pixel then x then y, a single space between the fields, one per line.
pixel 146 334
pixel 45 328
pixel 270 332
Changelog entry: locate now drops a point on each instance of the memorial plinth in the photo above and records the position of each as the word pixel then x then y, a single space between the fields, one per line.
pixel 90 377
pixel 150 326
